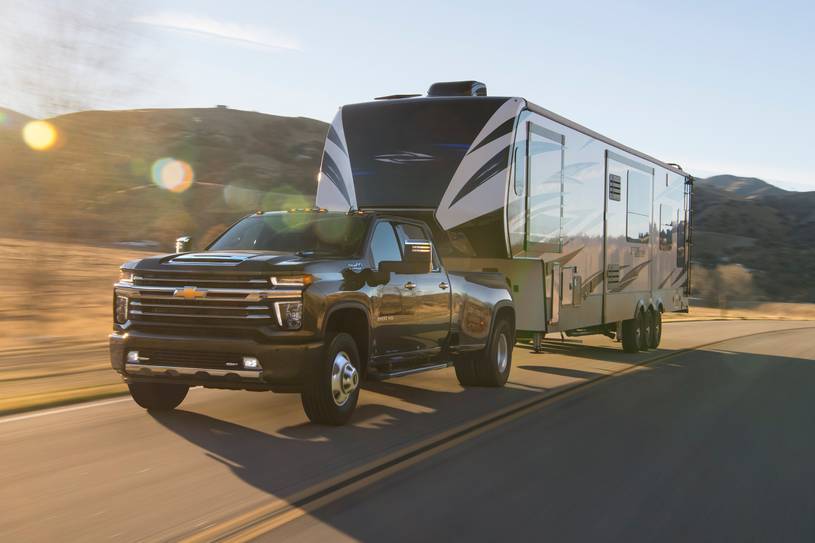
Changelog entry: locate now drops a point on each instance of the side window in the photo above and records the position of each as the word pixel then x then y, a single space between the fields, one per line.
pixel 638 207
pixel 520 167
pixel 545 190
pixel 411 231
pixel 666 227
pixel 384 245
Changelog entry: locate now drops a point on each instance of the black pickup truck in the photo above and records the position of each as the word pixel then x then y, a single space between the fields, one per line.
pixel 306 301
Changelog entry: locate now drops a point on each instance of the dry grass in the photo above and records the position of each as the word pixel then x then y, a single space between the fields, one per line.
pixel 769 310
pixel 56 294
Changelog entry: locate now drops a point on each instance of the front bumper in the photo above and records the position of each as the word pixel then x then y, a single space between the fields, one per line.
pixel 283 365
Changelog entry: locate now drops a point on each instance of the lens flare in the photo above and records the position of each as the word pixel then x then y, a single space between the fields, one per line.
pixel 171 174
pixel 39 135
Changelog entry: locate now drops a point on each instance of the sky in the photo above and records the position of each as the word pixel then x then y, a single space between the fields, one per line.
pixel 718 87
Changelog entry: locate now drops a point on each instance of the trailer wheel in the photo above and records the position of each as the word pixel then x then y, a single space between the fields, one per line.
pixel 331 387
pixel 632 334
pixel 158 396
pixel 656 328
pixel 645 337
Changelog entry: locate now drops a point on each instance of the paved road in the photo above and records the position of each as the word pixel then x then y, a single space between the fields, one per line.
pixel 714 444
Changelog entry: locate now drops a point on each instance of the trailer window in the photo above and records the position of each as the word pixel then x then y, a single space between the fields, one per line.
pixel 520 167
pixel 638 206
pixel 666 227
pixel 545 150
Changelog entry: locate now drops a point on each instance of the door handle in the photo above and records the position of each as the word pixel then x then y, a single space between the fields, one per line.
pixel 410 285
pixel 443 285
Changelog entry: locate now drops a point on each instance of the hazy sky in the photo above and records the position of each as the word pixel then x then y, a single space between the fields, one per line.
pixel 719 87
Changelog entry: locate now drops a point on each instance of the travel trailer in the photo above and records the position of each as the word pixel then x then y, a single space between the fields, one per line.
pixel 592 236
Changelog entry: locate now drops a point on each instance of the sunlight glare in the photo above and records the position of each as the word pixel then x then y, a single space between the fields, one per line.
pixel 171 174
pixel 39 135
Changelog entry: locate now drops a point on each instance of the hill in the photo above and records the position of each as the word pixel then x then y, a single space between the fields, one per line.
pixel 744 186
pixel 11 120
pixel 96 184
pixel 770 231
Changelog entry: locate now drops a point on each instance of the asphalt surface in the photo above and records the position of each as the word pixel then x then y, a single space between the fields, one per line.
pixel 713 444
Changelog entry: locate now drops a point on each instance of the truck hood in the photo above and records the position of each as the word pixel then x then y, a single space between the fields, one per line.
pixel 239 261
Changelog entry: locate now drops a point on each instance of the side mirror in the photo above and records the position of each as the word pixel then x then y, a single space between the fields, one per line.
pixel 420 253
pixel 418 258
pixel 183 244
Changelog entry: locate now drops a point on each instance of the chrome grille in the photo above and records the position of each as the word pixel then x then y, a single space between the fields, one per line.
pixel 205 280
pixel 203 299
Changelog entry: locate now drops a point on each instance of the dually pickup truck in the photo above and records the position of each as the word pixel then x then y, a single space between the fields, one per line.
pixel 306 301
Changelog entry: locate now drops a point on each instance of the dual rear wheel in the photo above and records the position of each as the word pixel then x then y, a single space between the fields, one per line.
pixel 643 332
pixel 490 367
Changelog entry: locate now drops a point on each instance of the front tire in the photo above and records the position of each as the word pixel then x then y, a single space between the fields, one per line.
pixel 158 396
pixel 331 389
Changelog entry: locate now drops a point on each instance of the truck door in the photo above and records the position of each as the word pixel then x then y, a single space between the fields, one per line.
pixel 389 317
pixel 425 299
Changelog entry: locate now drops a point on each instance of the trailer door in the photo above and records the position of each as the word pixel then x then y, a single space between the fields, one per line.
pixel 629 203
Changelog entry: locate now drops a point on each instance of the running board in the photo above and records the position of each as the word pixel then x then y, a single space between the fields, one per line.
pixel 375 375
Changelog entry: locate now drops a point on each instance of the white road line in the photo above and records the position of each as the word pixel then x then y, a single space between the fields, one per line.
pixel 67 409
pixel 59 410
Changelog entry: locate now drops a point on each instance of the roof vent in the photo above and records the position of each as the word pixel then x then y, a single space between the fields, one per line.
pixel 458 88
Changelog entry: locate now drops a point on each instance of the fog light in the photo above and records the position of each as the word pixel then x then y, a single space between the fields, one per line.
pixel 289 314
pixel 251 363
pixel 120 309
pixel 132 357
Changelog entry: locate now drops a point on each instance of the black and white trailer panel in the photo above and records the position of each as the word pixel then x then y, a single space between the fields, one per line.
pixel 588 231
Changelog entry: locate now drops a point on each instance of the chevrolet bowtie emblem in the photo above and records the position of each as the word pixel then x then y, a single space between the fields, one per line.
pixel 189 293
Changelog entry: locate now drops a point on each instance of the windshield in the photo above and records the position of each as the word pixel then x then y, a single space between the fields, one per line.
pixel 325 234
pixel 405 153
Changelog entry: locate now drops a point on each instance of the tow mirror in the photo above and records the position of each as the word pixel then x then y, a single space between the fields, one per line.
pixel 183 244
pixel 420 253
pixel 417 259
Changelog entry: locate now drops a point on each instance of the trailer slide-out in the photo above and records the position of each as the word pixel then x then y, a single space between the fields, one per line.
pixel 592 236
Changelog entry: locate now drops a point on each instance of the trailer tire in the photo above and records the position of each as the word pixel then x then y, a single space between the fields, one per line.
pixel 632 334
pixel 656 328
pixel 645 337
pixel 331 387
pixel 158 396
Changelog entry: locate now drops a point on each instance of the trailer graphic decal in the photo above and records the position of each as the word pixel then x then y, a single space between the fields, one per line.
pixel 478 185
pixel 495 165
pixel 630 276
pixel 335 182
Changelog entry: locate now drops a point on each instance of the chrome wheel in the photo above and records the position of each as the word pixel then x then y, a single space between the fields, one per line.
pixel 502 353
pixel 344 378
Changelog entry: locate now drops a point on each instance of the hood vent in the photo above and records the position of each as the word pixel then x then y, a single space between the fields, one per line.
pixel 211 258
pixel 458 88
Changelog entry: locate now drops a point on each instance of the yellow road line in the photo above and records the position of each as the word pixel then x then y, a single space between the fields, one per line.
pixel 272 515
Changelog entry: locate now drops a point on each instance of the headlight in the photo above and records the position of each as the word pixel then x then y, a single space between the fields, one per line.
pixel 289 314
pixel 125 276
pixel 120 309
pixel 292 280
